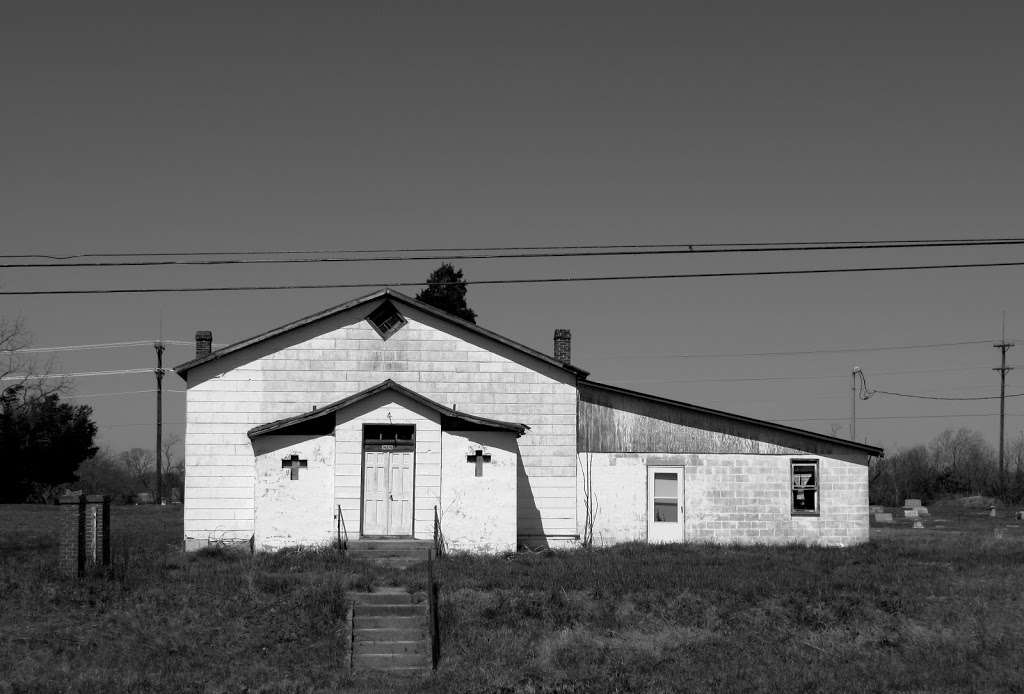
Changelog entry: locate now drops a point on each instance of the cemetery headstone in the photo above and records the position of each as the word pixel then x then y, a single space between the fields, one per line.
pixel 918 524
pixel 923 511
pixel 883 518
pixel 910 513
pixel 911 503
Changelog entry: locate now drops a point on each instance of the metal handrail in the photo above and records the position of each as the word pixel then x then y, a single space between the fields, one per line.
pixel 433 592
pixel 439 550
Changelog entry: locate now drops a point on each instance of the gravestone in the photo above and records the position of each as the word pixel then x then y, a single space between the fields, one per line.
pixel 910 513
pixel 883 518
pixel 923 511
pixel 911 503
pixel 876 509
pixel 918 524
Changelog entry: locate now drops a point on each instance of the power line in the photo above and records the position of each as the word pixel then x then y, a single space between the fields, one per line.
pixel 78 374
pixel 123 392
pixel 838 350
pixel 693 249
pixel 131 424
pixel 103 345
pixel 919 416
pixel 544 280
pixel 826 245
pixel 940 397
pixel 787 378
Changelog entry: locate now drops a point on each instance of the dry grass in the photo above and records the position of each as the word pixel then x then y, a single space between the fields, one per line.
pixel 934 610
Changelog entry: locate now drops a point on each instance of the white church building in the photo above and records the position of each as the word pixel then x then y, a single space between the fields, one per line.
pixel 358 421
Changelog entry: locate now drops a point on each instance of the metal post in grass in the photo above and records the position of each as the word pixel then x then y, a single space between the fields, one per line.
pixel 81 535
pixel 105 554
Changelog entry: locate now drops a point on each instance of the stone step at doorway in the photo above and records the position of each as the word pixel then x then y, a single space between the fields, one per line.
pixel 398 553
pixel 390 632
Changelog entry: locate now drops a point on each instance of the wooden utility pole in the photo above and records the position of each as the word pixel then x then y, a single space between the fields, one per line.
pixel 159 371
pixel 1002 346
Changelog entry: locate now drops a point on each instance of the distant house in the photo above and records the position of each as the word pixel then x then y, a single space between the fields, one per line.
pixel 359 420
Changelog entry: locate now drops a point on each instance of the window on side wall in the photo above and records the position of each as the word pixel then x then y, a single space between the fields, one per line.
pixel 804 482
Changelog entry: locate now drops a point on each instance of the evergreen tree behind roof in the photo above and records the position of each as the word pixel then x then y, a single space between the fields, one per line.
pixel 446 290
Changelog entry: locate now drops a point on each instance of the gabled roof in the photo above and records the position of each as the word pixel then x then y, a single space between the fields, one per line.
pixel 450 418
pixel 585 385
pixel 397 298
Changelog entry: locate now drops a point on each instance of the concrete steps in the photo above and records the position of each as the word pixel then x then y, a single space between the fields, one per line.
pixel 398 553
pixel 390 632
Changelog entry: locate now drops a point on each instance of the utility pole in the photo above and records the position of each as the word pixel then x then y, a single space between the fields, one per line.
pixel 853 403
pixel 1002 346
pixel 159 371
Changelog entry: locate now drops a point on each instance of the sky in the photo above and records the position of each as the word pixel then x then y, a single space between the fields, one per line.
pixel 206 127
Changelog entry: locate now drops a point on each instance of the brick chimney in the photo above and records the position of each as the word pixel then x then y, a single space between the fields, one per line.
pixel 563 345
pixel 204 343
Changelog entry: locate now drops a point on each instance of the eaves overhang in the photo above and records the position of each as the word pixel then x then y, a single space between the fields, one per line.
pixel 452 419
pixel 382 294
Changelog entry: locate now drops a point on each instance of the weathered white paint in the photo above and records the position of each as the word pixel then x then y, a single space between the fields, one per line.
pixel 479 513
pixel 736 488
pixel 341 355
pixel 388 408
pixel 727 498
pixel 294 512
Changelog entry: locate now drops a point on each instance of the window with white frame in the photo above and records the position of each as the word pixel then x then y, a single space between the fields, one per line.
pixel 804 484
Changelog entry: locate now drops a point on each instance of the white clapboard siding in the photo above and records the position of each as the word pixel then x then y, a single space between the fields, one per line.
pixel 342 355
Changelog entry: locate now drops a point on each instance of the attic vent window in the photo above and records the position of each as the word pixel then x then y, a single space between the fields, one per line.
pixel 386 320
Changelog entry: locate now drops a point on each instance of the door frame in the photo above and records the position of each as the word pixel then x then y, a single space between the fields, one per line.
pixel 679 470
pixel 362 477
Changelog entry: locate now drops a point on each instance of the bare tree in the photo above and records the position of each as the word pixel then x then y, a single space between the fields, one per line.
pixel 23 376
pixel 964 461
pixel 141 465
pixel 174 464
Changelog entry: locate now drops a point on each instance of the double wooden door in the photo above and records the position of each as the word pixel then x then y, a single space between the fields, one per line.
pixel 387 492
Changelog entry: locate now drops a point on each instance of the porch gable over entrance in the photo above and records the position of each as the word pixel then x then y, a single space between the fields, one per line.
pixel 451 419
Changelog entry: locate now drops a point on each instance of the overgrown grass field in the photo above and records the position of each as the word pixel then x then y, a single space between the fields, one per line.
pixel 934 610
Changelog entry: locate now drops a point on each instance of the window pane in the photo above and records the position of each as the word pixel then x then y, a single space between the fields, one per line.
pixel 804 476
pixel 666 512
pixel 804 500
pixel 665 485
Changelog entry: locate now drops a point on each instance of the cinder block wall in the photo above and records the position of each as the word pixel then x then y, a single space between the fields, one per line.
pixel 728 498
